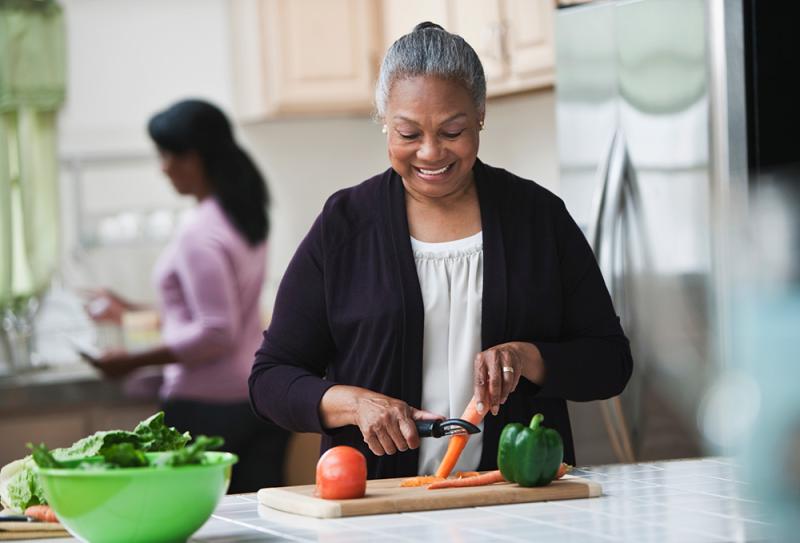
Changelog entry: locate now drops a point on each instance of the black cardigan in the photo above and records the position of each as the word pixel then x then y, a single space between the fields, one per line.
pixel 349 311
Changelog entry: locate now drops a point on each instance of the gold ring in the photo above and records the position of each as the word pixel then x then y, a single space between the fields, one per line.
pixel 508 369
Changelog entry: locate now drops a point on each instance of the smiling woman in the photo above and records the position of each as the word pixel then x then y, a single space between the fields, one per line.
pixel 440 283
pixel 432 128
pixel 432 136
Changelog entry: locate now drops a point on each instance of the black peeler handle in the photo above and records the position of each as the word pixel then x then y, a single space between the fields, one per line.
pixel 429 428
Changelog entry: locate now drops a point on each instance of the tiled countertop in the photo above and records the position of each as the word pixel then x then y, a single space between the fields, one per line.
pixel 678 501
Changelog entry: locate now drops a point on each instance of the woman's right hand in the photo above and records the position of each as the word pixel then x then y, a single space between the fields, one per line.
pixel 386 423
pixel 106 306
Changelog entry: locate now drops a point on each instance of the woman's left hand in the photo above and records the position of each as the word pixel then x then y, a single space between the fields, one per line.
pixel 114 363
pixel 498 370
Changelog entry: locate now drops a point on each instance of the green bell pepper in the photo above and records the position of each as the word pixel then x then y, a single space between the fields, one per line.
pixel 529 456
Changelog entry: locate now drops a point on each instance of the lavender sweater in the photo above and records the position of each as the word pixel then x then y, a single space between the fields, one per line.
pixel 210 282
pixel 349 310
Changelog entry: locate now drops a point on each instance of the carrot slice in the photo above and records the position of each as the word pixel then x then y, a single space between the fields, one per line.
pixel 458 442
pixel 465 474
pixel 420 480
pixel 488 478
pixel 563 469
pixel 43 513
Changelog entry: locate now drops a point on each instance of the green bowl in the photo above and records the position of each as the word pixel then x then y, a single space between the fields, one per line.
pixel 133 505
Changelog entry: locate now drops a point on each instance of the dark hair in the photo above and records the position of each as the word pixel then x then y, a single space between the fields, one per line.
pixel 196 125
pixel 427 24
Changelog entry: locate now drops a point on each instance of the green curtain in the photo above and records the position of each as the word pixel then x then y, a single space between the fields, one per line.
pixel 5 212
pixel 32 84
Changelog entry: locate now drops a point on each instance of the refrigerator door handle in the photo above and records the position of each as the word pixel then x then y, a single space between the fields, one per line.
pixel 608 206
pixel 608 212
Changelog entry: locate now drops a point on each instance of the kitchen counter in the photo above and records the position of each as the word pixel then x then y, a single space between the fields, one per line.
pixel 61 386
pixel 677 501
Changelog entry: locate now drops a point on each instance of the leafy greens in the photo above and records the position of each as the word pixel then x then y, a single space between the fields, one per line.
pixel 19 485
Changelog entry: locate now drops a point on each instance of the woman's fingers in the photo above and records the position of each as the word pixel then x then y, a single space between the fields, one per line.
pixel 480 377
pixel 421 414
pixel 495 383
pixel 396 435
pixel 510 374
pixel 497 372
pixel 409 432
pixel 374 444
pixel 488 381
pixel 386 441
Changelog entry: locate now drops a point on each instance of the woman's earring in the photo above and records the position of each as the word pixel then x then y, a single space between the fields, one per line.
pixel 480 124
pixel 383 130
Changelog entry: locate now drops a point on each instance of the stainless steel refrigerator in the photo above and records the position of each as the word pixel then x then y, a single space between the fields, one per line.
pixel 652 138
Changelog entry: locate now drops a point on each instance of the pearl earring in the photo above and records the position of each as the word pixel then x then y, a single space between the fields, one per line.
pixel 383 130
pixel 480 124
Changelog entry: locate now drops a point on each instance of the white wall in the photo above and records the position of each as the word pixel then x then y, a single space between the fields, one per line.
pixel 130 58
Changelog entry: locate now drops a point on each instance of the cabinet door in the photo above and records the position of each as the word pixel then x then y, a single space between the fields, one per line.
pixel 321 54
pixel 304 56
pixel 513 38
pixel 481 24
pixel 530 43
pixel 401 16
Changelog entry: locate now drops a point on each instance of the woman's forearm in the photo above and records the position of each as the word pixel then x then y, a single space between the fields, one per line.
pixel 156 356
pixel 338 406
pixel 120 363
pixel 533 368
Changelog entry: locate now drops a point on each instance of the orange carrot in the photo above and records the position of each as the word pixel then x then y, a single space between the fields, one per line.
pixel 458 441
pixel 563 469
pixel 420 480
pixel 43 513
pixel 488 478
pixel 465 474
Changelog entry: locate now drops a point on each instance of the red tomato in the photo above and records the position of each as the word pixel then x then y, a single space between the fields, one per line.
pixel 341 474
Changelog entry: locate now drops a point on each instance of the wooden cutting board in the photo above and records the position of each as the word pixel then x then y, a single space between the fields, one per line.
pixel 387 496
pixel 31 530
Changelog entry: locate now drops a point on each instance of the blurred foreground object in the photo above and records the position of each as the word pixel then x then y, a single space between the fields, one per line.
pixel 766 324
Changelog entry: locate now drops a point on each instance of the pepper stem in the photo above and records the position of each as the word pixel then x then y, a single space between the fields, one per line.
pixel 536 421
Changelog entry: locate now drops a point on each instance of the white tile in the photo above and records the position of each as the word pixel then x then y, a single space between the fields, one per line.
pixel 471 514
pixel 384 521
pixel 436 532
pixel 560 515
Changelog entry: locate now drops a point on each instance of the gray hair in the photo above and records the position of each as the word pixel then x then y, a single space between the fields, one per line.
pixel 430 50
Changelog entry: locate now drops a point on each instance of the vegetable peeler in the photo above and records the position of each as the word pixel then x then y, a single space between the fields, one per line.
pixel 448 427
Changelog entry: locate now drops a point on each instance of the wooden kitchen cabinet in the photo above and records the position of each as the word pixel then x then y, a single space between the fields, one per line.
pixel 513 38
pixel 318 57
pixel 304 56
pixel 531 44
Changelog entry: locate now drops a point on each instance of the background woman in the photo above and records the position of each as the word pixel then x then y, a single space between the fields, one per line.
pixel 209 281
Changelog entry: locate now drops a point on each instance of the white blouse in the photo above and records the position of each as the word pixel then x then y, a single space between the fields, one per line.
pixel 451 280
